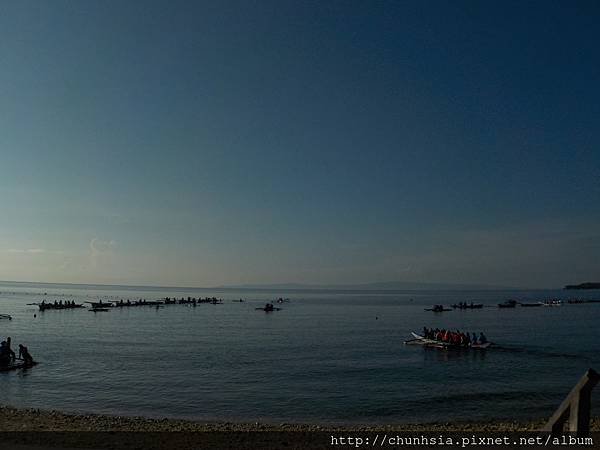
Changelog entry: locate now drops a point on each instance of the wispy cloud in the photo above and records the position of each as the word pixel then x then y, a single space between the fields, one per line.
pixel 100 248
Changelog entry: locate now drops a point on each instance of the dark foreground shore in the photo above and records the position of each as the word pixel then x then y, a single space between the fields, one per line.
pixel 33 429
pixel 14 419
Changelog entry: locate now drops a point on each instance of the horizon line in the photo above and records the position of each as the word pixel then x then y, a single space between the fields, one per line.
pixel 302 286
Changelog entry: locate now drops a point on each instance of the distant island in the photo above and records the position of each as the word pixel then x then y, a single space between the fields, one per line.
pixel 583 286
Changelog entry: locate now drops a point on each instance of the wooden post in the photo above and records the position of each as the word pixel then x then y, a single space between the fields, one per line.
pixel 575 408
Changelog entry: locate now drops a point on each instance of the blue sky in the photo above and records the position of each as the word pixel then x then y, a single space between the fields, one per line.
pixel 208 143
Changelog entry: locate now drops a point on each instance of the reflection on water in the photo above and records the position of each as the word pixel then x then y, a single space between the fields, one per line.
pixel 454 354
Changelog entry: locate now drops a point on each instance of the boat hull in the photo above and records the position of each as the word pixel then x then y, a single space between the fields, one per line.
pixel 16 366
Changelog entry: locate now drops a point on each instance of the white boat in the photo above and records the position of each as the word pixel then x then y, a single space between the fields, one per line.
pixel 553 303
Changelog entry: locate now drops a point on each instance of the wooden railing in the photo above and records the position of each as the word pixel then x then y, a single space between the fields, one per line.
pixel 575 409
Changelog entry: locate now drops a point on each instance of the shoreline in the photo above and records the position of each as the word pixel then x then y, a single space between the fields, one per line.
pixel 34 429
pixel 29 419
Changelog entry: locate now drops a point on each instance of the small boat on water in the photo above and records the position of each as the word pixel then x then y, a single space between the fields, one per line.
pixel 508 304
pixel 128 303
pixel 100 304
pixel 531 305
pixel 98 309
pixel 420 340
pixel 553 303
pixel 15 365
pixel 268 308
pixel 6 316
pixel 438 308
pixel 58 306
pixel 468 306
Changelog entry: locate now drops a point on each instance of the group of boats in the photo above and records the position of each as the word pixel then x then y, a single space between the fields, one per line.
pixel 427 341
pixel 514 303
pixel 507 304
pixel 103 306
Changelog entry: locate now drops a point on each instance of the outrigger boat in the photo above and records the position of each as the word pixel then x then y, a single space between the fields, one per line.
pixel 6 316
pixel 420 340
pixel 531 305
pixel 508 304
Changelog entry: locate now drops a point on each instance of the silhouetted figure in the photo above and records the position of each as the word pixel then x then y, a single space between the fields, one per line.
pixel 10 351
pixel 25 355
pixel 4 354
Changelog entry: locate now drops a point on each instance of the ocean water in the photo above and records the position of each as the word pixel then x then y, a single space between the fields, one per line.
pixel 326 357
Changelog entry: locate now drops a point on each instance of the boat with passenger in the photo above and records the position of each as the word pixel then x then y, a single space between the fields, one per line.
pixel 56 305
pixel 508 304
pixel 100 304
pixel 465 305
pixel 449 339
pixel 553 303
pixel 16 364
pixel 438 308
pixel 11 361
pixel 269 307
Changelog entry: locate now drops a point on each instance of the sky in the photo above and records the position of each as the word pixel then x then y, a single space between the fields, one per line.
pixel 224 143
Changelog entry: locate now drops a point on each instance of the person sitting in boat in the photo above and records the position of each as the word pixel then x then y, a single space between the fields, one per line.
pixel 269 307
pixel 25 355
pixel 474 339
pixel 456 338
pixel 482 338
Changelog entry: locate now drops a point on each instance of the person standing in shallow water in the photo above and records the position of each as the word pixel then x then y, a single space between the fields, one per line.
pixel 10 350
pixel 25 355
pixel 4 355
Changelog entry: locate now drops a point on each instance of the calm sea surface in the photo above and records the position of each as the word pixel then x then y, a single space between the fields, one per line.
pixel 334 357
